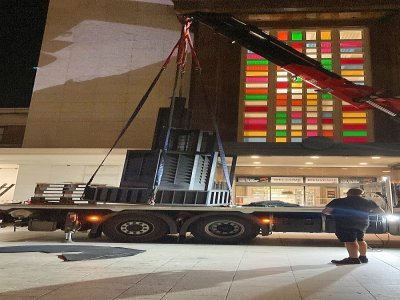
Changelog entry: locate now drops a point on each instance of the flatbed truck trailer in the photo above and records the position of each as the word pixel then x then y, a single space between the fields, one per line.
pixel 186 198
pixel 144 223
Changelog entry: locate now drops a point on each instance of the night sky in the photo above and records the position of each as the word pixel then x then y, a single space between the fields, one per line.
pixel 22 25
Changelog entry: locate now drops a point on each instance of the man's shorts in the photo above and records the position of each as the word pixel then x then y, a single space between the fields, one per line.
pixel 349 234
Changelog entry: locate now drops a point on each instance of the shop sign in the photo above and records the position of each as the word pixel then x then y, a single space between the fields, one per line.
pixel 357 180
pixel 322 180
pixel 287 180
pixel 252 179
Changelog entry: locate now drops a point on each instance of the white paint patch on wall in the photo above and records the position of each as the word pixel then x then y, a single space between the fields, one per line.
pixel 99 49
pixel 8 178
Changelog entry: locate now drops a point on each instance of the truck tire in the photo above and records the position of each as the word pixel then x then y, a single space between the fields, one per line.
pixel 135 228
pixel 225 229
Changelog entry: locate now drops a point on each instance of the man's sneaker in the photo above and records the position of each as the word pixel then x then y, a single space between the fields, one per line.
pixel 347 261
pixel 363 259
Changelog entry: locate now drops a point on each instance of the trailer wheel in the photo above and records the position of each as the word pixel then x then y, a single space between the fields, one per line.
pixel 135 228
pixel 225 229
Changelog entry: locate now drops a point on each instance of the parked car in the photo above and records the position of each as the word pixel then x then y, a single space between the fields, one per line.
pixel 272 203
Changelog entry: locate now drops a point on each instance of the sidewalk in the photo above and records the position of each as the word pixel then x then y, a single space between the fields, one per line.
pixel 282 266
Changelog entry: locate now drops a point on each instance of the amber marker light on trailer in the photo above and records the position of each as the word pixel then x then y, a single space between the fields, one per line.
pixel 265 221
pixel 93 218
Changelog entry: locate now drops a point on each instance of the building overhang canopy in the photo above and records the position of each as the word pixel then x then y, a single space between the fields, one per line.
pixel 291 13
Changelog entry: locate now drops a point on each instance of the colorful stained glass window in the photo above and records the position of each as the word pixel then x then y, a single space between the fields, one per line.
pixel 280 108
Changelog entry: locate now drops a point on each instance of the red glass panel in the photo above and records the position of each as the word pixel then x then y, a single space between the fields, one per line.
pixel 254 56
pixel 350 108
pixel 256 109
pixel 297 45
pixel 327 121
pixel 355 139
pixel 351 44
pixel 282 84
pixel 255 121
pixel 256 79
pixel 352 61
pixel 354 127
pixel 255 127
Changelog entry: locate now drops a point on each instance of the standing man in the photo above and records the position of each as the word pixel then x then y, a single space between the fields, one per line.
pixel 352 220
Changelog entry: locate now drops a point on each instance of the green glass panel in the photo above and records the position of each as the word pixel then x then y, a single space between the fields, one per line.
pixel 327 96
pixel 354 133
pixel 280 115
pixel 326 61
pixel 281 133
pixel 328 67
pixel 256 97
pixel 280 121
pixel 298 79
pixel 297 36
pixel 257 62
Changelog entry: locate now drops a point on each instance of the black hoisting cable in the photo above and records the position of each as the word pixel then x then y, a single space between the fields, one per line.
pixel 181 58
pixel 133 116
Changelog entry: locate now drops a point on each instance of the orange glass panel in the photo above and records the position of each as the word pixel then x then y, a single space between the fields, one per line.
pixel 282 35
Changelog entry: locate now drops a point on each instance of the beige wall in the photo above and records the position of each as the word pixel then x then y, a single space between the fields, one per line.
pixel 13 116
pixel 98 58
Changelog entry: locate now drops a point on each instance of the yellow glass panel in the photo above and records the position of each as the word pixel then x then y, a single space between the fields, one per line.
pixel 313 108
pixel 297 97
pixel 351 78
pixel 296 127
pixel 327 126
pixel 297 108
pixel 353 72
pixel 326 35
pixel 312 127
pixel 312 115
pixel 297 84
pixel 282 79
pixel 296 133
pixel 326 55
pixel 312 102
pixel 327 102
pixel 354 121
pixel 281 108
pixel 281 73
pixel 255 74
pixel 255 115
pixel 280 140
pixel 311 35
pixel 354 115
pixel 312 97
pixel 351 55
pixel 280 127
pixel 255 133
pixel 297 91
pixel 350 34
pixel 256 85
pixel 255 103
pixel 311 50
pixel 327 108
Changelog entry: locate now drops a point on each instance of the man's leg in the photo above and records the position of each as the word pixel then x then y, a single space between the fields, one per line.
pixel 352 249
pixel 362 246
